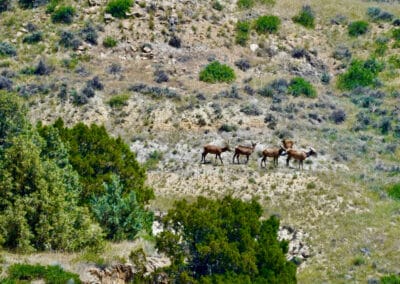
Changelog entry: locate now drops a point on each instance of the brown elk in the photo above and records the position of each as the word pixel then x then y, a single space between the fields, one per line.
pixel 287 144
pixel 243 150
pixel 272 152
pixel 213 149
pixel 299 155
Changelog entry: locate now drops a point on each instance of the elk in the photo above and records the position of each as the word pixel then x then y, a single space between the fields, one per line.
pixel 299 155
pixel 272 152
pixel 287 144
pixel 213 149
pixel 243 150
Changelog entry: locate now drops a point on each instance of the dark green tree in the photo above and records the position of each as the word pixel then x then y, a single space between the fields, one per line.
pixel 218 241
pixel 96 157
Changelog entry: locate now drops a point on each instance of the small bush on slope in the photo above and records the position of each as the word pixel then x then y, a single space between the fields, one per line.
pixel 305 18
pixel 118 8
pixel 217 72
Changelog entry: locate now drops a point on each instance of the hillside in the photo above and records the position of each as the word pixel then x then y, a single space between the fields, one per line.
pixel 139 76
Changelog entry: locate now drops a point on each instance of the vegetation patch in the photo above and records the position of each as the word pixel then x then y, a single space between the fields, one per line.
pixel 118 8
pixel 34 37
pixel 242 32
pixel 7 49
pixel 118 101
pixel 63 14
pixel 306 17
pixel 360 74
pixel 224 241
pixel 376 14
pixel 299 86
pixel 357 28
pixel 267 24
pixel 109 42
pixel 394 191
pixel 20 273
pixel 217 72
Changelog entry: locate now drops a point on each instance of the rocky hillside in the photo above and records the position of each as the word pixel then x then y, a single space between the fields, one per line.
pixel 138 74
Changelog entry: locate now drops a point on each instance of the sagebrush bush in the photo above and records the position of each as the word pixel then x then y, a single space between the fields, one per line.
pixel 5 83
pixel 175 41
pixel 118 8
pixel 89 33
pixel 394 191
pixel 299 86
pixel 251 109
pixel 7 49
pixel 243 64
pixel 376 14
pixel 109 42
pixel 26 4
pixel 360 74
pixel 342 52
pixel 217 5
pixel 267 24
pixel 32 38
pixel 95 83
pixel 306 17
pixel 338 116
pixel 42 69
pixel 242 32
pixel 69 40
pixel 357 28
pixel 63 14
pixel 160 76
pixel 217 72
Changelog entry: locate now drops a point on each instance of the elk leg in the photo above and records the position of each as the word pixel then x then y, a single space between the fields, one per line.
pixel 287 161
pixel 262 160
pixel 219 155
pixel 203 157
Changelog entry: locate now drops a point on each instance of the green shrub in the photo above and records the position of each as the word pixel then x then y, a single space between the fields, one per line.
pixel 245 4
pixel 394 191
pixel 359 260
pixel 109 42
pixel 34 37
pixel 227 128
pixel 121 216
pixel 217 5
pixel 357 28
pixel 217 72
pixel 360 74
pixel 299 86
pixel 305 18
pixel 118 101
pixel 51 7
pixel 267 24
pixel 394 60
pixel 118 8
pixel 7 49
pixel 63 14
pixel 51 274
pixel 242 32
pixel 153 159
pixel 390 279
pixel 396 34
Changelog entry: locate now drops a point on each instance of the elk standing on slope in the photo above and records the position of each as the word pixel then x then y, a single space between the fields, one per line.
pixel 213 149
pixel 299 155
pixel 243 150
pixel 272 152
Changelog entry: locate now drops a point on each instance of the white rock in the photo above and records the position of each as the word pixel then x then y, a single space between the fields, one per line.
pixel 253 47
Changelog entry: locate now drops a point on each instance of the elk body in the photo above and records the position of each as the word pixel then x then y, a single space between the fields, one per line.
pixel 213 149
pixel 243 150
pixel 299 155
pixel 272 152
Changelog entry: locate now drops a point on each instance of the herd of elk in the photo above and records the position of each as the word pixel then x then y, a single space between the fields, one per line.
pixel 285 149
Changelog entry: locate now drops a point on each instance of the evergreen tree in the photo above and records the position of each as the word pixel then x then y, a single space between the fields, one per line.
pixel 224 241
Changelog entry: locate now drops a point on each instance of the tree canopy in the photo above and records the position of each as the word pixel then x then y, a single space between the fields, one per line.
pixel 221 241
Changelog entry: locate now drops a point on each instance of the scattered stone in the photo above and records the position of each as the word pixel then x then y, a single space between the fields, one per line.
pixel 254 47
pixel 108 18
